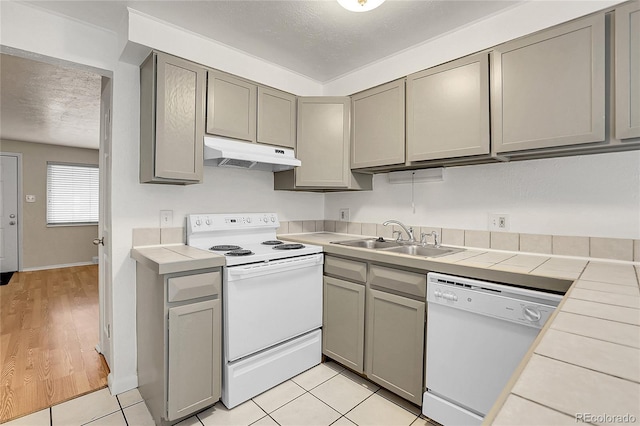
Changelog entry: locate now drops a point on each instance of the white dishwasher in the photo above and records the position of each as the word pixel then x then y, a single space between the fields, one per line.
pixel 477 334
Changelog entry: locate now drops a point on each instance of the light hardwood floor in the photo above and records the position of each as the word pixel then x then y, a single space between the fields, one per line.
pixel 48 334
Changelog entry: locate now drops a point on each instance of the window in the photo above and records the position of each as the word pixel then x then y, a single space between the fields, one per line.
pixel 72 194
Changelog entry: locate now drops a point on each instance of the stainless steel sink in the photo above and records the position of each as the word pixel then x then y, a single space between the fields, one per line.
pixel 371 243
pixel 417 250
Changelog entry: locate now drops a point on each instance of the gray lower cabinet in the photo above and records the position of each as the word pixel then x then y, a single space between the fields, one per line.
pixel 171 120
pixel 627 69
pixel 378 131
pixel 395 343
pixel 395 324
pixel 343 322
pixel 179 346
pixel 276 118
pixel 376 314
pixel 548 89
pixel 231 106
pixel 448 110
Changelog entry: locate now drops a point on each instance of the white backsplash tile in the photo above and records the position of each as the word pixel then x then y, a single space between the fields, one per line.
pixel 505 241
pixel 309 226
pixel 570 246
pixel 611 248
pixel 354 228
pixel 534 243
pixel 479 239
pixel 295 227
pixel 454 237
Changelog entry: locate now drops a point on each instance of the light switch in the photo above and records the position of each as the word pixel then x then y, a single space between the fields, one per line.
pixel 31 198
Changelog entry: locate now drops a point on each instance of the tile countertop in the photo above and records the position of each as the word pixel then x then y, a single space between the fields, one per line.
pixel 584 365
pixel 172 258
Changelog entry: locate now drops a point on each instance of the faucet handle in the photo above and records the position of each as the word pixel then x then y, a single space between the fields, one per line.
pixel 423 238
pixel 436 243
pixel 399 238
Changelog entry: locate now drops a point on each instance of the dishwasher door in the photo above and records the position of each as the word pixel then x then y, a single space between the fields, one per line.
pixel 477 334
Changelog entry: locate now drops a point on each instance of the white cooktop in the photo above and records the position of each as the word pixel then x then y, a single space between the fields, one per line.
pixel 247 230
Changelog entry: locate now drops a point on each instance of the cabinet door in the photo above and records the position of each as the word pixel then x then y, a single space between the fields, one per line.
pixel 323 142
pixel 343 322
pixel 448 110
pixel 395 343
pixel 628 71
pixel 177 152
pixel 378 126
pixel 194 357
pixel 231 106
pixel 548 89
pixel 276 118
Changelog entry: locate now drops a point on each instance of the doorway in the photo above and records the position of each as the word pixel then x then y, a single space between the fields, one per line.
pixel 55 319
pixel 9 213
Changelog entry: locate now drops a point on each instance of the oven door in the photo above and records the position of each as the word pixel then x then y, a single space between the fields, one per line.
pixel 269 303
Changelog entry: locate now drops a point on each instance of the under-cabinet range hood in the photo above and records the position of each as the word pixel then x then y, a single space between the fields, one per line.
pixel 221 152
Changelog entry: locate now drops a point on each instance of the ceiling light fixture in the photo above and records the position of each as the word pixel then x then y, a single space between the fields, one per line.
pixel 360 5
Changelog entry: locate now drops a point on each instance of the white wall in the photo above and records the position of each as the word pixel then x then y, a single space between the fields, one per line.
pixel 590 195
pixel 149 31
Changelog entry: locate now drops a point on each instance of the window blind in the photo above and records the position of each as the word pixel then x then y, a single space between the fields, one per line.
pixel 73 193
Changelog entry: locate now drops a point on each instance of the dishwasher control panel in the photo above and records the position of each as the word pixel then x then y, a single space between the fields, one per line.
pixel 500 301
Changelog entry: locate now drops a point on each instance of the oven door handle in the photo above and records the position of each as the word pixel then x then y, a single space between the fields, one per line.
pixel 239 272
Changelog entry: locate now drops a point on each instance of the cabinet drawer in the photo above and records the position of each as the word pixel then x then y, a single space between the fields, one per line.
pixel 193 286
pixel 402 281
pixel 350 269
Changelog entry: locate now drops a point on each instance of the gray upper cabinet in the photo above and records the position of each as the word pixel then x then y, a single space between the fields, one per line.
pixel 323 147
pixel 548 89
pixel 276 117
pixel 323 142
pixel 378 126
pixel 231 106
pixel 448 110
pixel 627 79
pixel 171 120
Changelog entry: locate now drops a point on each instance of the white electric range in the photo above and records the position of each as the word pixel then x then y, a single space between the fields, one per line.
pixel 272 301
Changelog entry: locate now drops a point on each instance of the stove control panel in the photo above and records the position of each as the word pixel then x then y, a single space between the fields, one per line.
pixel 197 223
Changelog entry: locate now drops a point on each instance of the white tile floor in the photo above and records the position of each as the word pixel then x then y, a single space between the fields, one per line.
pixel 324 395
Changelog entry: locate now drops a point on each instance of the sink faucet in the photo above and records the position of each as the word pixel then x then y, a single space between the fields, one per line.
pixel 408 231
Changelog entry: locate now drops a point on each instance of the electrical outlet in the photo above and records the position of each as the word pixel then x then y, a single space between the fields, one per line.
pixel 166 218
pixel 498 222
pixel 31 198
pixel 344 215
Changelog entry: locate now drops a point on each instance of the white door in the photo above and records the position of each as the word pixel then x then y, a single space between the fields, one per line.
pixel 8 213
pixel 104 224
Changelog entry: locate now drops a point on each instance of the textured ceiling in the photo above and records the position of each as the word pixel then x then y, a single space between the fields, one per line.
pixel 319 39
pixel 46 103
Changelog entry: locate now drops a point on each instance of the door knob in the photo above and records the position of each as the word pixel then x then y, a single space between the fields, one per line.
pixel 98 241
pixel 12 216
pixel 12 222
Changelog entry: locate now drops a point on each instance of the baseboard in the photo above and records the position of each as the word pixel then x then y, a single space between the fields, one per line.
pixel 117 386
pixel 64 265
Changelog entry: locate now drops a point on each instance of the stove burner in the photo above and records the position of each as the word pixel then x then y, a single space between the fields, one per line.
pixel 239 253
pixel 271 242
pixel 225 247
pixel 288 247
